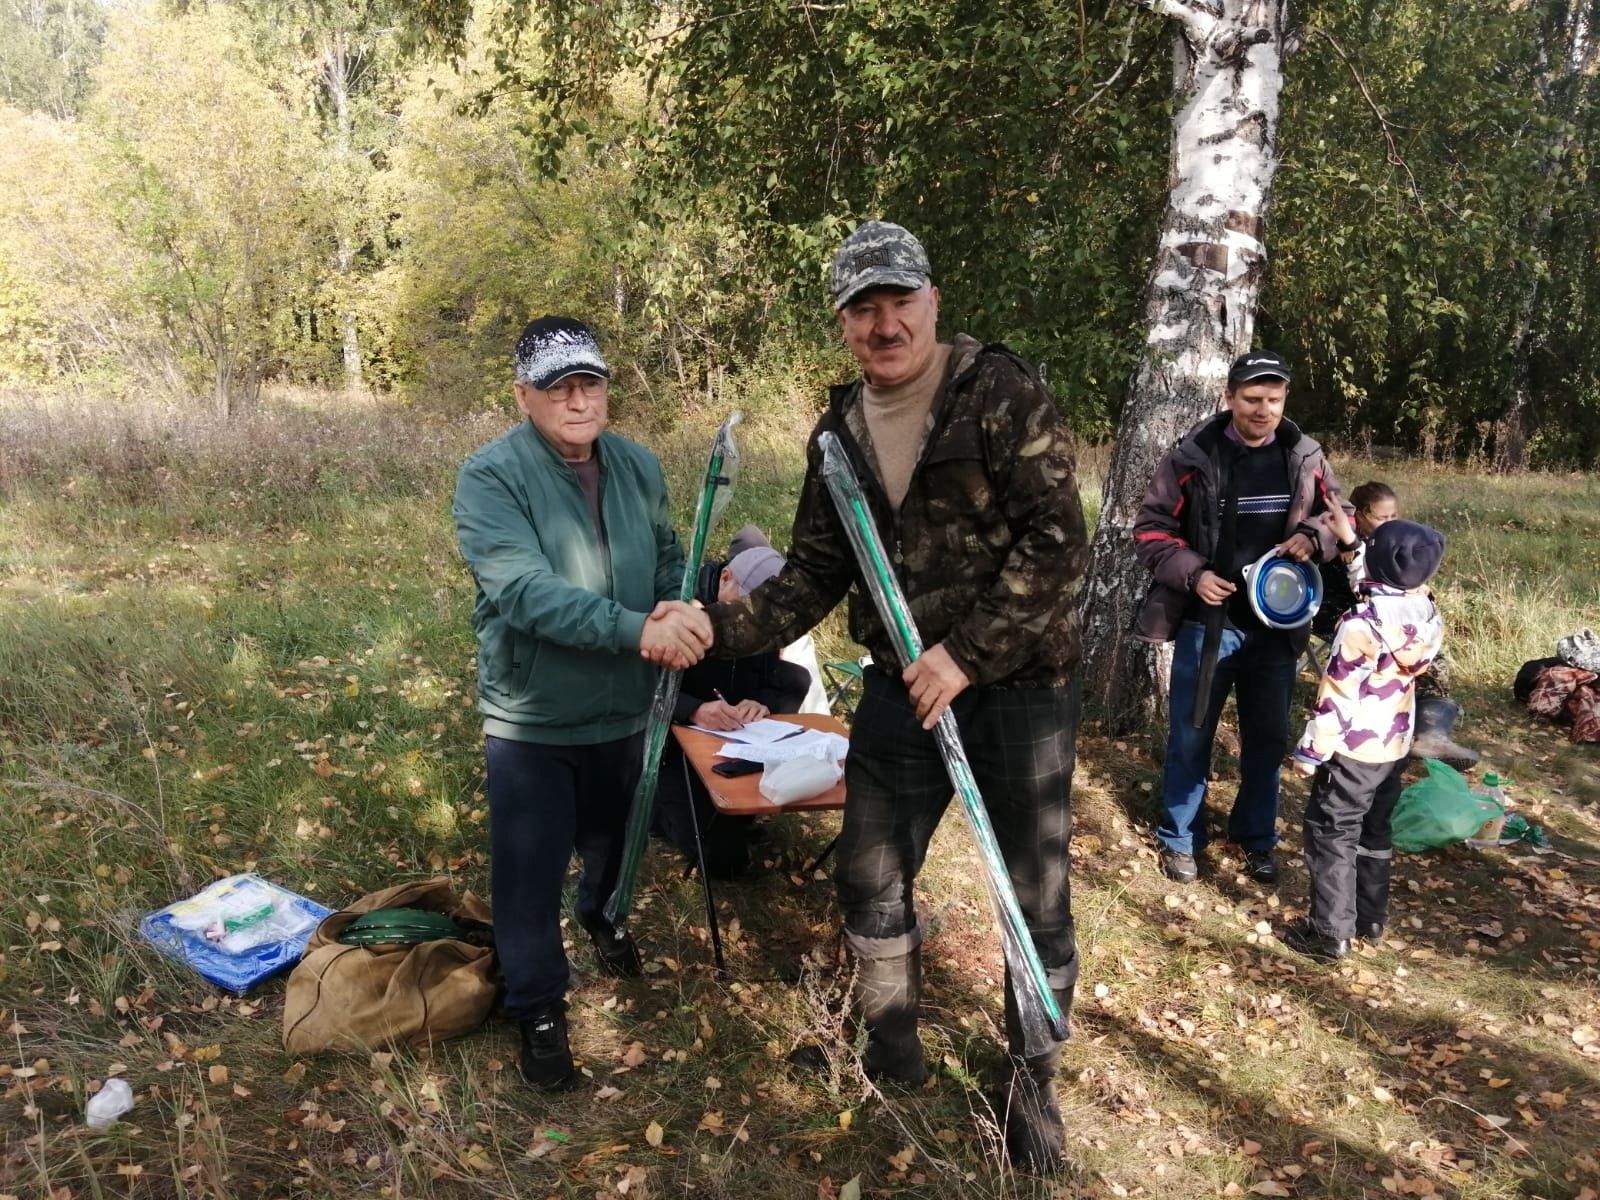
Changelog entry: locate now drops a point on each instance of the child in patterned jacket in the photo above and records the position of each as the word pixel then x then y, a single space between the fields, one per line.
pixel 1358 736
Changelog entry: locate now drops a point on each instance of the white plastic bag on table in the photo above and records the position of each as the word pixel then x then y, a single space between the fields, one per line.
pixel 798 779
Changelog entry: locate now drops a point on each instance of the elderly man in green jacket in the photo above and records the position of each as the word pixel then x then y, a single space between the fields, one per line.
pixel 566 530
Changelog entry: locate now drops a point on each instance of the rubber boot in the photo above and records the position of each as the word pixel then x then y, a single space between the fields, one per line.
pixel 1372 897
pixel 888 991
pixel 1034 1133
pixel 1436 720
pixel 615 950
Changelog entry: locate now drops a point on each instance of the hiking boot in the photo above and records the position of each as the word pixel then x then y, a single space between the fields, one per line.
pixel 888 991
pixel 618 955
pixel 1370 932
pixel 1303 939
pixel 1180 868
pixel 1435 737
pixel 1261 866
pixel 546 1057
pixel 1033 1128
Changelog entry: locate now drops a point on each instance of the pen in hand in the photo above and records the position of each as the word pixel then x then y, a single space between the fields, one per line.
pixel 739 721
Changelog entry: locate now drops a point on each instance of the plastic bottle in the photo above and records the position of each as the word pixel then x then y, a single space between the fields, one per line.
pixel 1489 834
pixel 113 1099
pixel 1494 789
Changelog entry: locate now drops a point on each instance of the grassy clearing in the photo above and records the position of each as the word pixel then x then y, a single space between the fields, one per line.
pixel 226 649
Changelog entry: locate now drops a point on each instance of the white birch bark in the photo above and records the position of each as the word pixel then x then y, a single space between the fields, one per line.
pixel 1561 68
pixel 337 67
pixel 1200 304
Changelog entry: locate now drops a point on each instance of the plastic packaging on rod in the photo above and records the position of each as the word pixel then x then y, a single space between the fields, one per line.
pixel 722 468
pixel 1042 1020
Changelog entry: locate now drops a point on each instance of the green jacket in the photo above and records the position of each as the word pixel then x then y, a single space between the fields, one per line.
pixel 558 632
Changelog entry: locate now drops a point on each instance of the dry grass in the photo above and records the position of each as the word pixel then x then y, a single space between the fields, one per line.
pixel 226 647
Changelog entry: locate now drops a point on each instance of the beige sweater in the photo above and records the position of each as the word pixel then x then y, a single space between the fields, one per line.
pixel 897 420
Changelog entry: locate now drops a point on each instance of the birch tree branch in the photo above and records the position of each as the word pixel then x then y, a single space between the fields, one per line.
pixel 1198 17
pixel 1384 124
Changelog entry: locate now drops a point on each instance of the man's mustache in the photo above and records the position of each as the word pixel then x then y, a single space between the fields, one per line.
pixel 884 343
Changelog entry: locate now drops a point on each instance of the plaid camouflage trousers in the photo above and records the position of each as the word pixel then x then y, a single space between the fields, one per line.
pixel 1021 744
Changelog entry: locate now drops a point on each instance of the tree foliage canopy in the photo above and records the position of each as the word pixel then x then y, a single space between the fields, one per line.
pixel 681 173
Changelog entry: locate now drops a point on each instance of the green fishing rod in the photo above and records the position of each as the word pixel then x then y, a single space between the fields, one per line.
pixel 722 467
pixel 1041 1017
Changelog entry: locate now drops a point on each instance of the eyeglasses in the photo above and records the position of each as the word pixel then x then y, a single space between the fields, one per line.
pixel 590 385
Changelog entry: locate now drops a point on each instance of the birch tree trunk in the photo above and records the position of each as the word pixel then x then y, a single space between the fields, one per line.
pixel 1200 305
pixel 1567 56
pixel 338 65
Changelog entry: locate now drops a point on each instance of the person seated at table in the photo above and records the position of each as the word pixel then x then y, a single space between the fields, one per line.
pixel 723 694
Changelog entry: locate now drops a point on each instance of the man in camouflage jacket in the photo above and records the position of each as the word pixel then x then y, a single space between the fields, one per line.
pixel 969 476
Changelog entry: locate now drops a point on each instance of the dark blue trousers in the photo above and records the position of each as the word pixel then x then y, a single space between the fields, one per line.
pixel 545 802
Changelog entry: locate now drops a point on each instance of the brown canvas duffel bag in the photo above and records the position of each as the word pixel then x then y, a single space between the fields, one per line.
pixel 368 997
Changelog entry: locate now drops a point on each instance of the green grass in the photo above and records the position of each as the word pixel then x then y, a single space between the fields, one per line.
pixel 248 649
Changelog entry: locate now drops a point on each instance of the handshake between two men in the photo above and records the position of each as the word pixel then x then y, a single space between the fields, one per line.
pixel 678 634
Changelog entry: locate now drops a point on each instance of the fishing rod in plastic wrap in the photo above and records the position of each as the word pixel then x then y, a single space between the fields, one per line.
pixel 722 468
pixel 1041 1017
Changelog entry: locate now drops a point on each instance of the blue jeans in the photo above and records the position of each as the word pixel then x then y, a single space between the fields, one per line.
pixel 1260 664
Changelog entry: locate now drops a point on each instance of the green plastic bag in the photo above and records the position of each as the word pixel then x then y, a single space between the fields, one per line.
pixel 1440 810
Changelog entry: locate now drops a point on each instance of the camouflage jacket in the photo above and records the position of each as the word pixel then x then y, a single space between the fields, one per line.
pixel 988 543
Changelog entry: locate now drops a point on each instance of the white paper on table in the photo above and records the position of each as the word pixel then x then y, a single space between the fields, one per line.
pixel 755 732
pixel 813 743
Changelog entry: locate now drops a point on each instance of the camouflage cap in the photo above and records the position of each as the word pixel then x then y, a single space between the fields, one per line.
pixel 878 254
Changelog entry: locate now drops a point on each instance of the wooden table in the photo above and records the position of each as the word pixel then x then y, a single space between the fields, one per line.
pixel 741 796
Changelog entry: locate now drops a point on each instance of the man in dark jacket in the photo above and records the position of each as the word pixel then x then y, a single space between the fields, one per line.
pixel 969 476
pixel 1237 485
pixel 723 694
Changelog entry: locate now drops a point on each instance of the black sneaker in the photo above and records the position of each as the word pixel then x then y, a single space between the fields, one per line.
pixel 618 954
pixel 1370 932
pixel 1261 866
pixel 1180 868
pixel 546 1057
pixel 1302 939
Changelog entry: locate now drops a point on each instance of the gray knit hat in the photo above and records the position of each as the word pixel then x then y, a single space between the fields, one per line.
pixel 1404 554
pixel 751 568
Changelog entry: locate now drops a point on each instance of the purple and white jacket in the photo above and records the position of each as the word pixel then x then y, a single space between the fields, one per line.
pixel 1366 703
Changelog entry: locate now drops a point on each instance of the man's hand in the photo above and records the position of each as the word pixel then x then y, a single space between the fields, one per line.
pixel 750 710
pixel 718 714
pixel 676 635
pixel 933 681
pixel 1299 547
pixel 1303 766
pixel 1213 588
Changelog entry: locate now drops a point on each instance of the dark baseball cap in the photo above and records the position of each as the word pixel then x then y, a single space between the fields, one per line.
pixel 552 348
pixel 878 254
pixel 1257 364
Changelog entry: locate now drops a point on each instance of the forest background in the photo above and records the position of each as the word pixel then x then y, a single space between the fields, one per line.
pixel 199 201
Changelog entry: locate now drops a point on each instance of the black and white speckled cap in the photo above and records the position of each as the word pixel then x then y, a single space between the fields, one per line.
pixel 552 348
pixel 878 254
